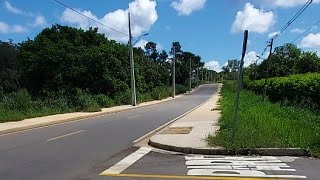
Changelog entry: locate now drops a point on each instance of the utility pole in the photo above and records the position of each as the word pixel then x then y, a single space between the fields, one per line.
pixel 198 74
pixel 174 72
pixel 206 75
pixel 202 74
pixel 235 120
pixel 133 81
pixel 267 74
pixel 190 74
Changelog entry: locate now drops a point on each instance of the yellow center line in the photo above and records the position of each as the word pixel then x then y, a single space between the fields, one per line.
pixel 159 176
pixel 62 136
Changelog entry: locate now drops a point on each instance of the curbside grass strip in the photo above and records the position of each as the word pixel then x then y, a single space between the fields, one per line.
pixel 62 121
pixel 244 151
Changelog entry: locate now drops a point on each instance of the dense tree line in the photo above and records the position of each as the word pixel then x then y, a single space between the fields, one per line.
pixel 285 60
pixel 72 64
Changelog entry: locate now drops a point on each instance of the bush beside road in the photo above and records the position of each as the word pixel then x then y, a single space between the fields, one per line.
pixel 19 105
pixel 265 124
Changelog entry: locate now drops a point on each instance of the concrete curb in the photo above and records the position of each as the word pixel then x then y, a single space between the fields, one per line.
pixel 62 121
pixel 172 121
pixel 244 151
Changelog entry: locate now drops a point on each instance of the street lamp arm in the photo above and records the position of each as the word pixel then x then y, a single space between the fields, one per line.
pixel 146 34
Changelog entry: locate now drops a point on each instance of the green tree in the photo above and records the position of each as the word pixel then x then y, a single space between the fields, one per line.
pixel 9 70
pixel 151 51
pixel 308 62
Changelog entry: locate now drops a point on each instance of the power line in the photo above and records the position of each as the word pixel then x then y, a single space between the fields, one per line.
pixel 303 8
pixel 307 32
pixel 90 18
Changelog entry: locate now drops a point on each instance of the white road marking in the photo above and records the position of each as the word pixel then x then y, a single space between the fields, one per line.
pixel 62 136
pixel 133 116
pixel 236 158
pixel 257 167
pixel 127 162
pixel 232 163
pixel 238 173
pixel 235 166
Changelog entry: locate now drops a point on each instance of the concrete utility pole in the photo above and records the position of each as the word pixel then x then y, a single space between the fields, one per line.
pixel 267 75
pixel 174 72
pixel 244 49
pixel 190 74
pixel 198 74
pixel 206 76
pixel 133 80
pixel 202 74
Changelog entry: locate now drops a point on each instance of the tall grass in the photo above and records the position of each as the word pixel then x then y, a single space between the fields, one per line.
pixel 265 124
pixel 20 105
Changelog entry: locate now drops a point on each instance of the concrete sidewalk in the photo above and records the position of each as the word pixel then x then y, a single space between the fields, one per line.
pixel 190 131
pixel 11 127
pixel 188 134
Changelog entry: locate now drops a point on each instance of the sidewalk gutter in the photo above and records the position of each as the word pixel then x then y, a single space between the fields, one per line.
pixel 80 117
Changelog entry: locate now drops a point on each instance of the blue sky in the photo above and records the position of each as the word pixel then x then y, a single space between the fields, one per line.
pixel 212 29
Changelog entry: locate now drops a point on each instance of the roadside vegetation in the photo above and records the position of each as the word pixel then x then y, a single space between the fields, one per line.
pixel 65 69
pixel 290 115
pixel 265 124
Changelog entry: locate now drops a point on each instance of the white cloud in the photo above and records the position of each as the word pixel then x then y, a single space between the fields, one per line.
pixel 159 47
pixel 12 9
pixel 39 21
pixel 213 65
pixel 250 58
pixel 286 3
pixel 311 41
pixel 273 34
pixel 6 28
pixel 297 30
pixel 186 7
pixel 16 10
pixel 143 16
pixel 253 19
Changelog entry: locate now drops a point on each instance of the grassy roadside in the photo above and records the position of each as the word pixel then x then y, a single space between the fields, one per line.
pixel 20 105
pixel 265 124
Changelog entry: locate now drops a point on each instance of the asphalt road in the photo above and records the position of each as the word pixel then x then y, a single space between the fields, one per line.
pixel 164 166
pixel 81 149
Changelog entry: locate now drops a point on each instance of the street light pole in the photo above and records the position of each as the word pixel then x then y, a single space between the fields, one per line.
pixel 133 83
pixel 190 74
pixel 198 74
pixel 174 72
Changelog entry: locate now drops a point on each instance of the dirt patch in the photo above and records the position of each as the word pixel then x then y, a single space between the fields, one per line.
pixel 177 130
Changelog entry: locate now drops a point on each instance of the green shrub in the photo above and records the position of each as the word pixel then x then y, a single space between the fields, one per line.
pixel 161 92
pixel 144 97
pixel 265 124
pixel 83 101
pixel 104 101
pixel 297 90
pixel 121 98
pixel 2 95
pixel 18 101
pixel 180 89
